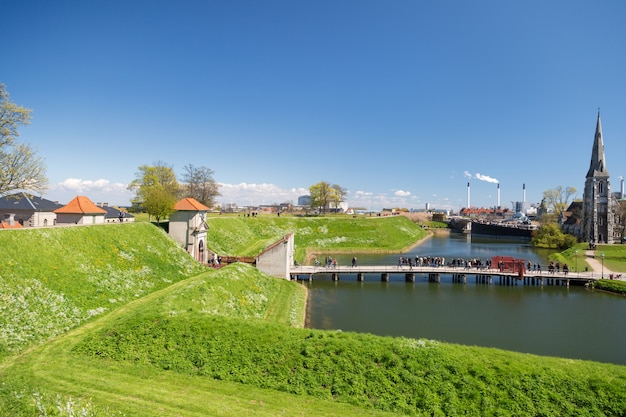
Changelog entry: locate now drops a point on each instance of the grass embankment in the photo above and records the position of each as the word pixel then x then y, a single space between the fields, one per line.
pixel 247 236
pixel 576 257
pixel 52 280
pixel 223 343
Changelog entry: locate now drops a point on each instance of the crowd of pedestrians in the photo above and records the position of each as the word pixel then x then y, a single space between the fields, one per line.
pixel 439 261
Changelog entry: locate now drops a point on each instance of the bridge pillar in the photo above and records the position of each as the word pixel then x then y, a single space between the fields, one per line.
pixel 433 277
pixel 409 277
pixel 335 276
pixel 384 277
pixel 360 276
pixel 460 278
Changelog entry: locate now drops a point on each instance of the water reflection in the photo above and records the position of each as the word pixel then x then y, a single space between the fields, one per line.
pixel 556 321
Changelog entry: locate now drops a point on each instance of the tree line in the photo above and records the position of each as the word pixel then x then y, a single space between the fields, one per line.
pixel 157 189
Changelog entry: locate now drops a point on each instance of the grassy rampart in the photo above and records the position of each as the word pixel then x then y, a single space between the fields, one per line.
pixel 247 236
pixel 183 340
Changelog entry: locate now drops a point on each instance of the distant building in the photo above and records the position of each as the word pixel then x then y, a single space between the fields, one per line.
pixel 304 200
pixel 115 215
pixel 28 210
pixel 81 210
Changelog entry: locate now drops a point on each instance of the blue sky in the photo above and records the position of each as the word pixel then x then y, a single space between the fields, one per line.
pixel 400 102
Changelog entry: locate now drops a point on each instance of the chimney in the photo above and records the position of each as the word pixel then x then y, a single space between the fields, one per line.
pixel 498 206
pixel 468 195
pixel 524 193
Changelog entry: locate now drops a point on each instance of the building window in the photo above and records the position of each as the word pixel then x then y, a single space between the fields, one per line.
pixel 601 187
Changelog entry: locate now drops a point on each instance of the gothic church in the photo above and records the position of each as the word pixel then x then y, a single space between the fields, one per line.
pixel 598 217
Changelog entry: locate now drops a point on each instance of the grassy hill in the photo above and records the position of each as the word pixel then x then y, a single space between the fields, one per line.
pixel 52 280
pixel 180 340
pixel 247 236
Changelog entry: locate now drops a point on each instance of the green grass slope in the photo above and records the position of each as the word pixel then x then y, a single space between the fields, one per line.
pixel 52 280
pixel 172 353
pixel 247 236
pixel 155 334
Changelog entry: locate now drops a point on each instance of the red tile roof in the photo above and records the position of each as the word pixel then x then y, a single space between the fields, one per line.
pixel 6 225
pixel 80 205
pixel 190 204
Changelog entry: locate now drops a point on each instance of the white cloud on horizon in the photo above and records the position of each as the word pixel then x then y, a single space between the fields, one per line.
pixel 246 194
pixel 242 194
pixel 100 190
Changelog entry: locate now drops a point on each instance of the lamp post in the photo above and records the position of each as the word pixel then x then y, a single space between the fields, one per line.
pixel 576 254
pixel 602 265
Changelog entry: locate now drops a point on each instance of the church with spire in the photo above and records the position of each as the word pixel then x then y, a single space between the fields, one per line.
pixel 598 217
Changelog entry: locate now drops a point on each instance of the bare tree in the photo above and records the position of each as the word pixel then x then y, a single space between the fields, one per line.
pixel 199 184
pixel 20 168
pixel 558 198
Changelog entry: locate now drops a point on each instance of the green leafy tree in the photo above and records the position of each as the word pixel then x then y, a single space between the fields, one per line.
pixel 159 202
pixel 550 236
pixel 199 184
pixel 20 168
pixel 325 196
pixel 153 184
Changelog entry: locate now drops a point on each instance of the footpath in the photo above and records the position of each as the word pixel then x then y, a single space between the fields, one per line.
pixel 596 265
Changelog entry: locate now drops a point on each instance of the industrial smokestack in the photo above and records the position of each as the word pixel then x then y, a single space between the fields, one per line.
pixel 524 192
pixel 498 206
pixel 468 195
pixel 622 188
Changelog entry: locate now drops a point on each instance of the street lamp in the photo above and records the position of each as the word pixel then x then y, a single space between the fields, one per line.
pixel 602 266
pixel 576 254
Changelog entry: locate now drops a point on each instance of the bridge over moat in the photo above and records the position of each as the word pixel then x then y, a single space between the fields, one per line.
pixel 457 274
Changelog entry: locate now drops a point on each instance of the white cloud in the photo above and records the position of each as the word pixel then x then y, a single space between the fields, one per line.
pixel 100 190
pixel 245 194
pixel 85 186
pixel 402 193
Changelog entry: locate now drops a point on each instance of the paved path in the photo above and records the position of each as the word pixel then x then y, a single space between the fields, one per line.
pixel 596 264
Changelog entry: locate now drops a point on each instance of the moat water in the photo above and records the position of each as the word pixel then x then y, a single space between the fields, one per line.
pixel 570 322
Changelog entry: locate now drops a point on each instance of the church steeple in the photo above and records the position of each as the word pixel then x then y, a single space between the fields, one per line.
pixel 598 217
pixel 597 168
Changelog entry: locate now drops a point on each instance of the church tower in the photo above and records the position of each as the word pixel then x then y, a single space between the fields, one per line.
pixel 597 224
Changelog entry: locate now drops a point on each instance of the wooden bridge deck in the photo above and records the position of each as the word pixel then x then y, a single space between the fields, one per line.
pixel 458 274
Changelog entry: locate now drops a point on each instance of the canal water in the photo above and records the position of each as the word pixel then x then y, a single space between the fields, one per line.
pixel 570 322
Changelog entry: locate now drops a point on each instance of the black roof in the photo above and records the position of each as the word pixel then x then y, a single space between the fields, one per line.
pixel 23 201
pixel 112 212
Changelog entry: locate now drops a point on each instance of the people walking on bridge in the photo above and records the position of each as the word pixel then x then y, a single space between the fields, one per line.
pixel 353 261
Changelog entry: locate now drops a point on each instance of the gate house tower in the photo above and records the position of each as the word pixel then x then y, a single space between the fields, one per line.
pixel 597 215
